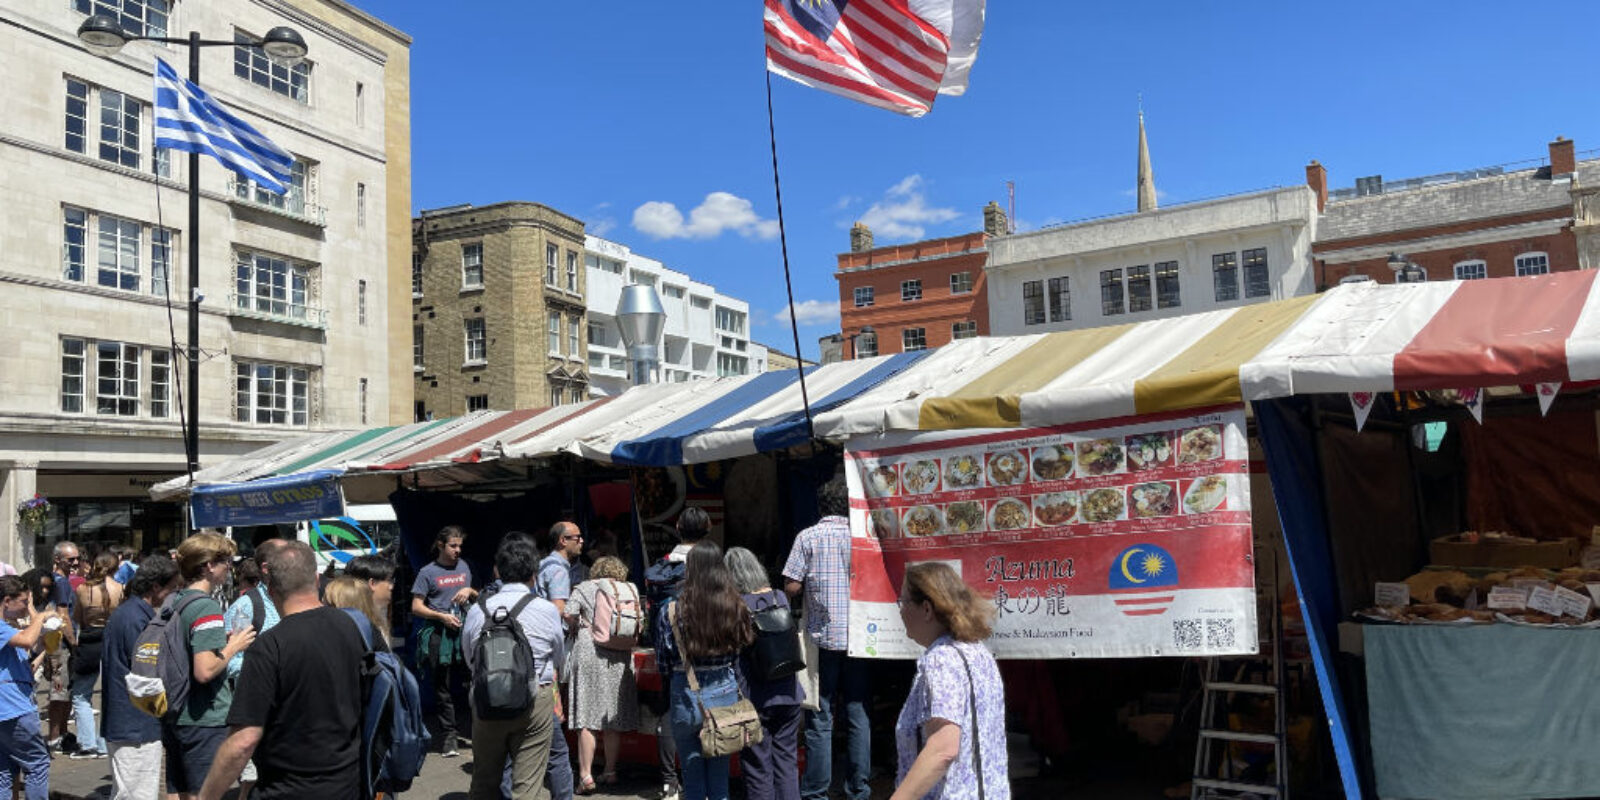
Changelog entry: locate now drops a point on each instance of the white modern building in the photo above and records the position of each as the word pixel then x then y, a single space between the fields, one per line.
pixel 298 298
pixel 1163 262
pixel 707 334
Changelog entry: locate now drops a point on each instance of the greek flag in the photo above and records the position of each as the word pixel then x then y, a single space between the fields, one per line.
pixel 190 120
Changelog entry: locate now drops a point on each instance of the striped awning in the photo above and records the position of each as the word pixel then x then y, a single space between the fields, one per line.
pixel 1362 337
pixel 1354 338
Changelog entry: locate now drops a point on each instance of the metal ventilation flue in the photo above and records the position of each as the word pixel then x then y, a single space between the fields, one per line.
pixel 641 317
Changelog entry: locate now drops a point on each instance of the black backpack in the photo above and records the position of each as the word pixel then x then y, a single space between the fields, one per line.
pixel 777 652
pixel 502 683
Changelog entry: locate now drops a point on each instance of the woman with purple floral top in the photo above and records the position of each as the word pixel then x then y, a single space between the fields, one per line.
pixel 951 736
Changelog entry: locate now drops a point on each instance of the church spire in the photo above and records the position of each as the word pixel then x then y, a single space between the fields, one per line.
pixel 1147 178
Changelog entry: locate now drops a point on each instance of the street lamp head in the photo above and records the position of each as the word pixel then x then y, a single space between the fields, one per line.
pixel 1396 262
pixel 284 45
pixel 102 35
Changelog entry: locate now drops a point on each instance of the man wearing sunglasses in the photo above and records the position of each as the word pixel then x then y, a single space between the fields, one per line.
pixel 67 565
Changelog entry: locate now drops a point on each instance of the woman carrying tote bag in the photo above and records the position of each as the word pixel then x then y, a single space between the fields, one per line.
pixel 708 626
pixel 951 735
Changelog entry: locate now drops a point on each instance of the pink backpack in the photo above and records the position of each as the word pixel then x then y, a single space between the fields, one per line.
pixel 616 616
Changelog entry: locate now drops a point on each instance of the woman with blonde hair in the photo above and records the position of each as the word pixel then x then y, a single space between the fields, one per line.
pixel 951 733
pixel 601 693
pixel 95 599
pixel 347 592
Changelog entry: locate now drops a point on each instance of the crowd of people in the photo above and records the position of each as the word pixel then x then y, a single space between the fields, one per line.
pixel 544 646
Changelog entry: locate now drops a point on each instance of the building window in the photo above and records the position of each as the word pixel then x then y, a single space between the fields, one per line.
pixel 729 364
pixel 913 339
pixel 699 302
pixel 250 63
pixel 477 341
pixel 556 394
pixel 160 260
pixel 597 333
pixel 1257 283
pixel 72 376
pixel 866 344
pixel 361 205
pixel 642 278
pixel 1110 292
pixel 551 253
pixel 578 393
pixel 730 320
pixel 960 282
pixel 361 302
pixel 361 105
pixel 1033 302
pixel 292 201
pixel 572 271
pixel 271 394
pixel 139 17
pixel 477 402
pixel 160 383
pixel 270 285
pixel 553 327
pixel 1167 292
pixel 574 342
pixel 1532 264
pixel 417 348
pixel 910 291
pixel 116 379
pixel 416 273
pixel 361 399
pixel 1060 299
pixel 119 253
pixel 75 234
pixel 472 266
pixel 864 296
pixel 1139 288
pixel 1472 270
pixel 117 117
pixel 1225 276
pixel 966 329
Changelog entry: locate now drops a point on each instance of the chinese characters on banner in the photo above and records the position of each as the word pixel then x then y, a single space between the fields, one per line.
pixel 1124 541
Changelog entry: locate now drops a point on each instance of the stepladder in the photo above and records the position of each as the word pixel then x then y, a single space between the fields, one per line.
pixel 1241 750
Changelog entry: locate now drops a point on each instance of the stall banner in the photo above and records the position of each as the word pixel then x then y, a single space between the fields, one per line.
pixel 290 498
pixel 1127 539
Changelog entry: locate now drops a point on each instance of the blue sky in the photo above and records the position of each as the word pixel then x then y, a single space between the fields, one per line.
pixel 648 121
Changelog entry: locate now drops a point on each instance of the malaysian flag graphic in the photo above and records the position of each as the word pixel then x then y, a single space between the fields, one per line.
pixel 893 54
pixel 1144 580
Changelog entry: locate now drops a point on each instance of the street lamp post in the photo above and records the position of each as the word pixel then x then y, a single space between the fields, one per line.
pixel 1406 270
pixel 103 36
pixel 866 330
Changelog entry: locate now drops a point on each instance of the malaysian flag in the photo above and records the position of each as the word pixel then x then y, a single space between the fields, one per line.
pixel 1144 580
pixel 894 54
pixel 190 120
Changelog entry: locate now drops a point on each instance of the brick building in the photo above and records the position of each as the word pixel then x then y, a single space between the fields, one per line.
pixel 914 296
pixel 498 316
pixel 1485 223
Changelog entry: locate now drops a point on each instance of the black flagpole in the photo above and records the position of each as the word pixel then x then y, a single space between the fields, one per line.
pixel 783 240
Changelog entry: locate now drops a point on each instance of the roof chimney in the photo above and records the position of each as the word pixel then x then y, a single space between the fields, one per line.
pixel 1562 159
pixel 1317 179
pixel 860 238
pixel 994 220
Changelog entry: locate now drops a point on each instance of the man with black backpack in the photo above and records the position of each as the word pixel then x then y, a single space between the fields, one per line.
pixel 298 707
pixel 515 646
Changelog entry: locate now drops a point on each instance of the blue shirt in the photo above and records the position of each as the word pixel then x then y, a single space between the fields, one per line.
pixel 556 577
pixel 16 678
pixel 540 622
pixel 239 616
pixel 123 722
pixel 125 572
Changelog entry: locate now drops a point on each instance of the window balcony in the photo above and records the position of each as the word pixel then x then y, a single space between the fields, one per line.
pixel 290 206
pixel 269 310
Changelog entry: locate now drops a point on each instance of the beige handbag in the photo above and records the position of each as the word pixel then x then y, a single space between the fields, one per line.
pixel 724 730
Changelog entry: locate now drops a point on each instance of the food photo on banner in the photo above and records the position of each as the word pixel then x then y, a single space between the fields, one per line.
pixel 1103 541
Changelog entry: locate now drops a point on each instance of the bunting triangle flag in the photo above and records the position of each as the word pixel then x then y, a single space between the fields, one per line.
pixel 1473 400
pixel 1547 395
pixel 1361 404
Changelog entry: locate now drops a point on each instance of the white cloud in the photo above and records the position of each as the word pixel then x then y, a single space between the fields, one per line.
pixel 812 312
pixel 845 201
pixel 601 227
pixel 904 212
pixel 719 212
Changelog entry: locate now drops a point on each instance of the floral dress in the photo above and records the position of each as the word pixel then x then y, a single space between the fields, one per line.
pixel 601 690
pixel 942 691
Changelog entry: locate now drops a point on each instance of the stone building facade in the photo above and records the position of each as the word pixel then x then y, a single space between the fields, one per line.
pixel 1485 223
pixel 498 317
pixel 295 317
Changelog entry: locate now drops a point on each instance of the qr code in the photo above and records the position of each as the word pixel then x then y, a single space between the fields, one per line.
pixel 1186 634
pixel 1220 634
